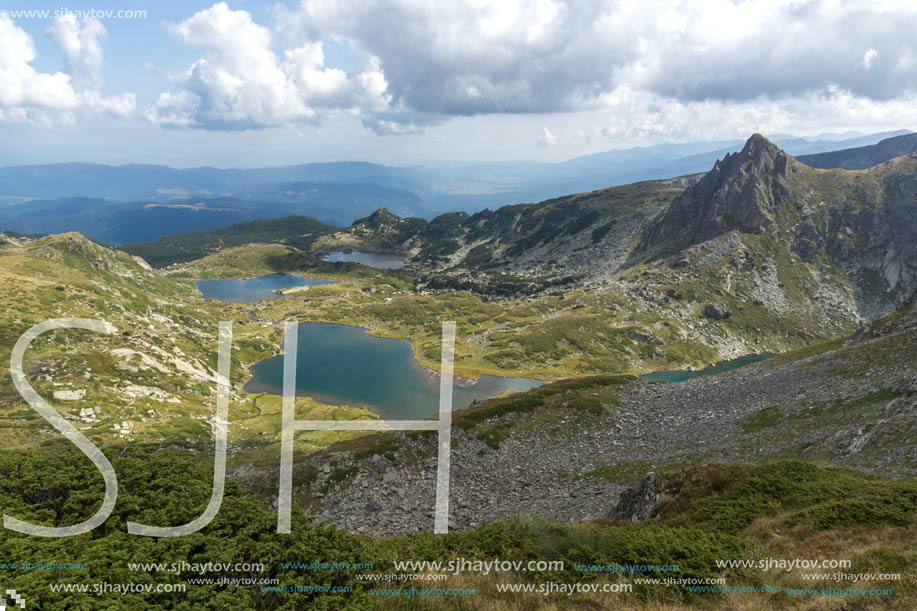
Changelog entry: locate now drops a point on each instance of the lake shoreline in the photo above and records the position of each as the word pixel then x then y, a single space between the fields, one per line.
pixel 223 292
pixel 676 376
pixel 401 393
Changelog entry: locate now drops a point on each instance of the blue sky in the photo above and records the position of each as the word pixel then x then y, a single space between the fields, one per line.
pixel 247 83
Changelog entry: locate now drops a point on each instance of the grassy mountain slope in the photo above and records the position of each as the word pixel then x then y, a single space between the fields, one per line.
pixel 516 249
pixel 856 229
pixel 154 381
pixel 583 439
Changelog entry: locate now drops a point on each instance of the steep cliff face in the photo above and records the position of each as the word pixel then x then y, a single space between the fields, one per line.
pixel 740 192
pixel 871 232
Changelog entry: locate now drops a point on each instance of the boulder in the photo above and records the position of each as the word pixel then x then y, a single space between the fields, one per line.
pixel 639 504
pixel 644 338
pixel 69 395
pixel 717 312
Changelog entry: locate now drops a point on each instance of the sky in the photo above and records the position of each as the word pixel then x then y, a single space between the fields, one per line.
pixel 247 84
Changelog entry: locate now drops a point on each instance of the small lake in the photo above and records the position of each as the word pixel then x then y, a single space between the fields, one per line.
pixel 681 376
pixel 369 259
pixel 250 290
pixel 338 364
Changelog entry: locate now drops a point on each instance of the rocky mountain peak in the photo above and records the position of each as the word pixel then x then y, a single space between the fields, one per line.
pixel 740 192
pixel 379 218
pixel 757 145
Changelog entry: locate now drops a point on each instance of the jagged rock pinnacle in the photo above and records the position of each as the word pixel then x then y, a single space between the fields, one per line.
pixel 740 192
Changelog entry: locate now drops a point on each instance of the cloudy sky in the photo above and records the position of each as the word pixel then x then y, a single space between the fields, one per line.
pixel 246 83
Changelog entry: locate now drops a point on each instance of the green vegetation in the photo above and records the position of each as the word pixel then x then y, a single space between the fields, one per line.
pixel 715 512
pixel 385 448
pixel 574 394
pixel 729 497
pixel 493 435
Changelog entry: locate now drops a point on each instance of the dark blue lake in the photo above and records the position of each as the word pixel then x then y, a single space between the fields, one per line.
pixel 338 364
pixel 369 259
pixel 250 290
pixel 681 376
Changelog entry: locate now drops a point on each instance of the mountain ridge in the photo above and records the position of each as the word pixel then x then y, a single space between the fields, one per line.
pixel 860 158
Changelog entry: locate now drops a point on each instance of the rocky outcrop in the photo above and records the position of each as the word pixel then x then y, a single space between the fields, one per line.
pixel 903 320
pixel 740 192
pixel 641 503
pixel 716 312
pixel 863 225
pixel 69 395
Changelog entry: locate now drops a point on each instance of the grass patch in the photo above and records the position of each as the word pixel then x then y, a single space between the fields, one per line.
pixel 492 436
pixel 729 497
pixel 385 448
pixel 533 399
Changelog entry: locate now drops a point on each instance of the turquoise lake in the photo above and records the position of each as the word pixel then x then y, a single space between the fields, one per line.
pixel 250 290
pixel 681 376
pixel 369 259
pixel 338 364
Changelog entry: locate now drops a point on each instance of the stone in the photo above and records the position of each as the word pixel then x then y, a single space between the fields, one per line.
pixel 644 338
pixel 716 312
pixel 639 504
pixel 69 395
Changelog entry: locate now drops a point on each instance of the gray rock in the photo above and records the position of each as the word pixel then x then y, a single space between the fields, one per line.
pixel 716 312
pixel 644 338
pixel 639 504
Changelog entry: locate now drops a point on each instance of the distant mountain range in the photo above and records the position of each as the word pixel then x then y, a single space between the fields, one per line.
pixel 137 203
pixel 141 221
pixel 863 157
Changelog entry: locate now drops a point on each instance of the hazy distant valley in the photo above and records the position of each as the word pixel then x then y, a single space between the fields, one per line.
pixel 137 203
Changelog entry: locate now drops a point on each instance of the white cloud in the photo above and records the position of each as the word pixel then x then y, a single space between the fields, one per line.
pixel 27 95
pixel 467 57
pixel 413 64
pixel 636 117
pixel 241 83
pixel 868 58
pixel 546 138
pixel 79 41
pixel 171 110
